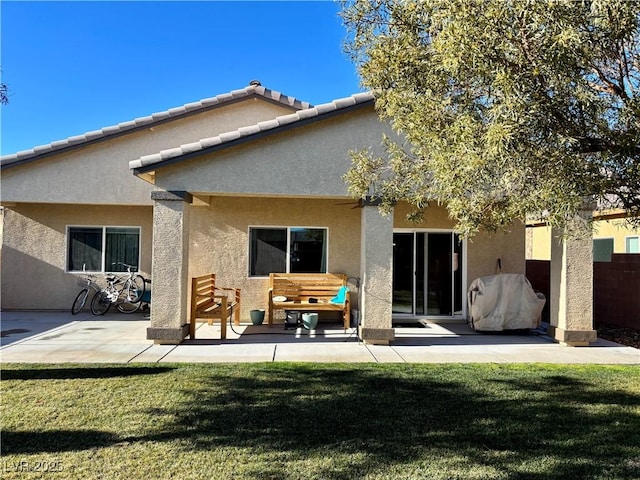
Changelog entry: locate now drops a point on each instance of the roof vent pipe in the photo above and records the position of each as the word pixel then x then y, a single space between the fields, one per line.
pixel 255 83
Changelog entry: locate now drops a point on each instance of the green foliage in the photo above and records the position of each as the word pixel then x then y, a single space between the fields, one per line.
pixel 508 108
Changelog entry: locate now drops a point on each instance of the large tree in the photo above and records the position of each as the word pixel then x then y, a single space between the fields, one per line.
pixel 504 108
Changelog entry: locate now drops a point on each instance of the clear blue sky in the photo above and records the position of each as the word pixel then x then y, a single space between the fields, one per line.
pixel 73 67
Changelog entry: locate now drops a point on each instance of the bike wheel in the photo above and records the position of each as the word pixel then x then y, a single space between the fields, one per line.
pixel 78 303
pixel 100 303
pixel 133 292
pixel 128 307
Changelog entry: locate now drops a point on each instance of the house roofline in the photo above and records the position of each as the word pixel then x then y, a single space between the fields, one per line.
pixel 155 119
pixel 149 163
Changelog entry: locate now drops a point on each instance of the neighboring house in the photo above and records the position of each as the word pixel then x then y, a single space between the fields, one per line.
pixel 611 234
pixel 240 185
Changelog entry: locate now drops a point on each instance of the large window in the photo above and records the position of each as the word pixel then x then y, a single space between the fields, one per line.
pixel 102 249
pixel 632 244
pixel 287 250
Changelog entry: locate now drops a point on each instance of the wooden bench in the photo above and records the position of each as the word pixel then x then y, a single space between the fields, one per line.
pixel 210 302
pixel 310 292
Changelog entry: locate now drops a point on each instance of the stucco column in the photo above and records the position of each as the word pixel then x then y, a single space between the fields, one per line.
pixel 376 265
pixel 572 287
pixel 169 267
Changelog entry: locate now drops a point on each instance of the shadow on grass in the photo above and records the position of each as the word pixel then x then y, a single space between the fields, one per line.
pixel 399 417
pixel 68 373
pixel 54 441
pixel 392 421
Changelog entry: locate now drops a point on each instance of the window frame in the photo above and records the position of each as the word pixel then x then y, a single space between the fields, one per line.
pixel 626 244
pixel 103 252
pixel 613 247
pixel 288 229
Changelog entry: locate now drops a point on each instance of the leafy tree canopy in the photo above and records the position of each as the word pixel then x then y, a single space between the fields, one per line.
pixel 505 108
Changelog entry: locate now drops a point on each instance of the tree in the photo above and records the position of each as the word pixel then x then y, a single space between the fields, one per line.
pixel 504 108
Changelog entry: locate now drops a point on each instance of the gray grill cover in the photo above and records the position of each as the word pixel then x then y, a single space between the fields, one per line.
pixel 504 302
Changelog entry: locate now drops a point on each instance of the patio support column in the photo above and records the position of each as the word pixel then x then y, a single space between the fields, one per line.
pixel 170 261
pixel 376 263
pixel 572 287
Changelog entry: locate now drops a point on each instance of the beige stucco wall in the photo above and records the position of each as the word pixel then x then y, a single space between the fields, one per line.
pixel 616 229
pixel 219 238
pixel 99 173
pixel 219 241
pixel 483 250
pixel 304 161
pixel 34 250
pixel 538 241
pixel 539 237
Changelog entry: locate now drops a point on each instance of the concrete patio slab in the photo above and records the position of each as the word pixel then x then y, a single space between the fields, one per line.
pixel 351 352
pixel 384 354
pixel 69 353
pixel 221 353
pixel 59 337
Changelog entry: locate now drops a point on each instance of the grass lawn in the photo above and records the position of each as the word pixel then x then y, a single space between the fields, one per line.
pixel 305 421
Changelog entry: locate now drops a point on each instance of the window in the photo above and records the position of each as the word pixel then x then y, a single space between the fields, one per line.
pixel 100 249
pixel 602 249
pixel 632 245
pixel 287 250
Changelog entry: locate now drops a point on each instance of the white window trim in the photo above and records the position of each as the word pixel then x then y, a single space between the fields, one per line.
pixel 625 242
pixel 104 243
pixel 288 253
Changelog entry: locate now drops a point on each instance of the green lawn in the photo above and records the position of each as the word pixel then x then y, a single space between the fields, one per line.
pixel 302 421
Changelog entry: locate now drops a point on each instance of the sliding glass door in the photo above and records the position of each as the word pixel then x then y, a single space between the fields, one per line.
pixel 427 274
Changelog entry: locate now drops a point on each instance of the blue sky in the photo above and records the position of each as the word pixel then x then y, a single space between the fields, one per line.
pixel 73 67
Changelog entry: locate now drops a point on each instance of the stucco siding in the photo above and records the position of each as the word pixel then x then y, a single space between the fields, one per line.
pixel 436 217
pixel 219 241
pixel 99 173
pixel 305 161
pixel 96 174
pixel 617 229
pixel 483 250
pixel 539 239
pixel 34 251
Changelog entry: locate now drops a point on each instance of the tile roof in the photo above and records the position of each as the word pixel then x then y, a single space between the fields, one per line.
pixel 145 122
pixel 151 162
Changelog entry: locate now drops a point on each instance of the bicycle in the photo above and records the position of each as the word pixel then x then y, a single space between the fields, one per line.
pixel 125 292
pixel 81 299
